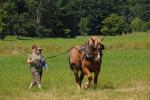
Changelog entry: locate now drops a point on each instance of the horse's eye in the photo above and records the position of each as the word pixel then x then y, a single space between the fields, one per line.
pixel 94 49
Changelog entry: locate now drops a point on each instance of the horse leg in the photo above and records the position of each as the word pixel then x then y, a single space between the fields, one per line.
pixel 81 77
pixel 89 79
pixel 95 78
pixel 89 75
pixel 77 78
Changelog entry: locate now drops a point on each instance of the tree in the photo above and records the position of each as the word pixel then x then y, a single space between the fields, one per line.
pixel 63 18
pixel 95 10
pixel 84 26
pixel 114 25
pixel 145 26
pixel 136 24
pixel 3 16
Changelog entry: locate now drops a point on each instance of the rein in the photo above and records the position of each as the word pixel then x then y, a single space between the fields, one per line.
pixel 87 55
pixel 58 54
pixel 84 48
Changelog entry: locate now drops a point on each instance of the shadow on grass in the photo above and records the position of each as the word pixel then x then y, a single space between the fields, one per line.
pixel 24 39
pixel 108 86
pixel 20 38
pixel 9 40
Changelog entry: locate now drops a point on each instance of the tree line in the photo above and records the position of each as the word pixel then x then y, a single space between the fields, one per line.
pixel 69 18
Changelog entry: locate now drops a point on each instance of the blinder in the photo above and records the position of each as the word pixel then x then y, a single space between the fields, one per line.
pixel 87 55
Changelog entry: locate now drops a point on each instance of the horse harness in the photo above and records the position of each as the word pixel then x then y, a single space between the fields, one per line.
pixel 86 55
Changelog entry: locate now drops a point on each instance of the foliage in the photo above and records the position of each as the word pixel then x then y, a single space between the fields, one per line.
pixel 136 24
pixel 63 18
pixel 146 26
pixel 84 26
pixel 114 25
pixel 3 15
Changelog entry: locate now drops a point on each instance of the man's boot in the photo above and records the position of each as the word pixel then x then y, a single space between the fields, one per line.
pixel 39 86
pixel 31 85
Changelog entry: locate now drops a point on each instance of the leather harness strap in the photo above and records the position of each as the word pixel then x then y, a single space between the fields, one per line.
pixel 86 55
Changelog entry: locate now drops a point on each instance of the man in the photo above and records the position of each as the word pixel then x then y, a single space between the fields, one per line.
pixel 35 60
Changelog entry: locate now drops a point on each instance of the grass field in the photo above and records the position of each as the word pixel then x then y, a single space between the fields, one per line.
pixel 125 73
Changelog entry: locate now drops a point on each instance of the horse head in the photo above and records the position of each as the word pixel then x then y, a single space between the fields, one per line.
pixel 96 47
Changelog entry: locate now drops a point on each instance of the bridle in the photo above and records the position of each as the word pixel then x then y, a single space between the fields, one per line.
pixel 87 55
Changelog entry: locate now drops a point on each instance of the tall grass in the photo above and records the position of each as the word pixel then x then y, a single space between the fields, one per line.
pixel 11 46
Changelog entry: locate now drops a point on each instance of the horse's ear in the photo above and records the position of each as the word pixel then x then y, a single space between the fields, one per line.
pixel 92 39
pixel 101 38
pixel 90 42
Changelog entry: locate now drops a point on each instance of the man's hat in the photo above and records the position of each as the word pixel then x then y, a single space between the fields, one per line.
pixel 39 48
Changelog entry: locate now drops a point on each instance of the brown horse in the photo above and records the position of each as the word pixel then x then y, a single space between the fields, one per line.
pixel 86 59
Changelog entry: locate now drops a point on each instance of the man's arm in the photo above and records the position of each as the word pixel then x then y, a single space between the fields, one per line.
pixel 29 60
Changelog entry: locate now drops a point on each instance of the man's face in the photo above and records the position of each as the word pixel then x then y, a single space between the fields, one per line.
pixel 38 51
pixel 35 50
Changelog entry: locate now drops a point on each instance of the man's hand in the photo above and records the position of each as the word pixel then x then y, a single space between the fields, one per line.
pixel 30 61
pixel 43 59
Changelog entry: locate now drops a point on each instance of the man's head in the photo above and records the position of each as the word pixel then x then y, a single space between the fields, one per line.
pixel 34 48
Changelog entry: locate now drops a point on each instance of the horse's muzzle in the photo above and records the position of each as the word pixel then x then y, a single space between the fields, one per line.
pixel 97 58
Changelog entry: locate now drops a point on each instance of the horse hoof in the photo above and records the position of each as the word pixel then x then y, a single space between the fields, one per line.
pixel 79 88
pixel 86 85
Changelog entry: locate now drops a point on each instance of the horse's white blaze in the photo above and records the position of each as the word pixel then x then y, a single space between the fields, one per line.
pixel 98 56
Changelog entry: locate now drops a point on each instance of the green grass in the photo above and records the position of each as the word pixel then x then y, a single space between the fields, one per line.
pixel 125 73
